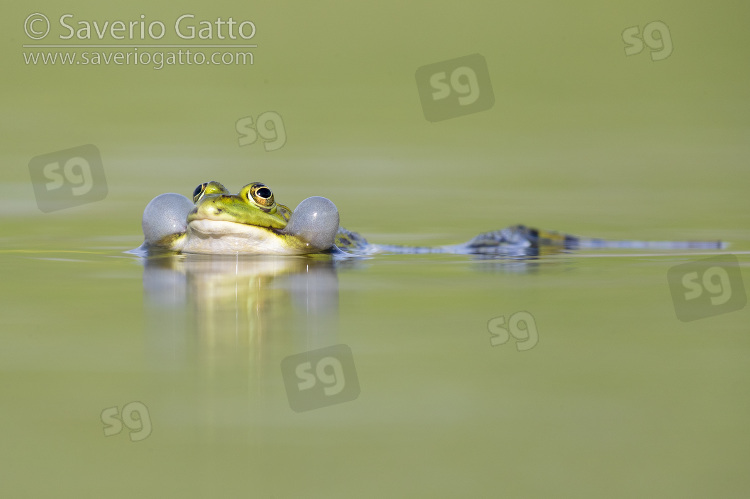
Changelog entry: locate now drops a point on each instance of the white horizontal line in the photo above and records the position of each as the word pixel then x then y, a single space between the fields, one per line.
pixel 666 253
pixel 138 46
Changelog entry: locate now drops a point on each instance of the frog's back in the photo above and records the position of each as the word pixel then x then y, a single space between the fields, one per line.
pixel 516 240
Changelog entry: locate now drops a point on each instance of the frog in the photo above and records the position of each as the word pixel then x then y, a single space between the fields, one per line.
pixel 251 222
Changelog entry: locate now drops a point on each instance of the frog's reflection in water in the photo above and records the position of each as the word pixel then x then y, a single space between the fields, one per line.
pixel 230 321
pixel 222 325
pixel 224 312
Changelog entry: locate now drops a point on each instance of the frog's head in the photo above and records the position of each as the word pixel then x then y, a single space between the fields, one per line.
pixel 251 222
pixel 218 211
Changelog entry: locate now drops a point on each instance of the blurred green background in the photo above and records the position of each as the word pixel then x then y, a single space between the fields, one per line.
pixel 619 399
pixel 578 125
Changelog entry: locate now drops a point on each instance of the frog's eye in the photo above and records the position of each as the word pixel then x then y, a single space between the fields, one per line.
pixel 199 191
pixel 208 189
pixel 261 195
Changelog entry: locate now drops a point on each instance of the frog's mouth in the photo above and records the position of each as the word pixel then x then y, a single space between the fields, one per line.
pixel 215 220
pixel 207 227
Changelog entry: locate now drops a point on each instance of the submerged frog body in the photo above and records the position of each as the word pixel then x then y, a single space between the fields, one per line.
pixel 251 222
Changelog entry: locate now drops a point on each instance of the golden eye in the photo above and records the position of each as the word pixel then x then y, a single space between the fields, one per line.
pixel 261 195
pixel 198 192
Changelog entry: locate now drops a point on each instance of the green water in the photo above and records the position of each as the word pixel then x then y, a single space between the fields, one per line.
pixel 614 396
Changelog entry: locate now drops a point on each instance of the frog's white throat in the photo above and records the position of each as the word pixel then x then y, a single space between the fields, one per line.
pixel 229 238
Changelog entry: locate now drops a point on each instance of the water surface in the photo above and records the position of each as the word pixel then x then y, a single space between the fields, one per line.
pixel 611 385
